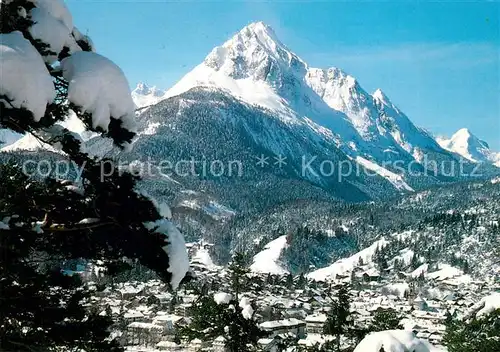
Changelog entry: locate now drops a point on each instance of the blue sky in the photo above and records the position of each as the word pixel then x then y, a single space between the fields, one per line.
pixel 439 62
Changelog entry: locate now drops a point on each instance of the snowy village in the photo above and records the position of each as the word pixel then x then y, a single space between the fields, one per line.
pixel 260 203
pixel 292 312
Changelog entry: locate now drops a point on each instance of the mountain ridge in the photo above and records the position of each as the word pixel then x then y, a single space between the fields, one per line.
pixel 256 67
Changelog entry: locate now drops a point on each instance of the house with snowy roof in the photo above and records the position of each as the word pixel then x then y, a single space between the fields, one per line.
pixel 182 309
pixel 169 346
pixel 315 323
pixel 276 327
pixel 170 322
pixel 129 292
pixel 297 313
pixel 132 316
pixel 420 303
pixel 314 339
pixel 161 299
pixel 146 334
pixel 219 344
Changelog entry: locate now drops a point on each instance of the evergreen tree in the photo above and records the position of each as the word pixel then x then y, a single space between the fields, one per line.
pixel 415 262
pixel 44 223
pixel 398 264
pixel 338 320
pixel 269 279
pixel 385 319
pixel 232 320
pixel 238 274
pixel 360 261
pixel 478 334
pixel 289 281
pixel 301 281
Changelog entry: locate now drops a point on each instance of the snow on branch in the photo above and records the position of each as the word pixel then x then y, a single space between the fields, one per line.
pixel 176 249
pixel 393 341
pixel 26 82
pixel 57 9
pixel 222 298
pixel 99 87
pixel 84 41
pixel 53 32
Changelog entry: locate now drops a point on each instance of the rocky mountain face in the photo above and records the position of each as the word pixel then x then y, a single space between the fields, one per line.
pixel 246 156
pixel 257 68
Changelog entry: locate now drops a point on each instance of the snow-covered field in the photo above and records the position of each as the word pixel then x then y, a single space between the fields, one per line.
pixel 267 261
pixel 347 265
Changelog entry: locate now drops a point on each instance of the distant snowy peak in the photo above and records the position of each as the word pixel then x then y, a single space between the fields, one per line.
pixel 8 137
pixel 144 89
pixel 466 144
pixel 28 142
pixel 382 101
pixel 376 119
pixel 143 95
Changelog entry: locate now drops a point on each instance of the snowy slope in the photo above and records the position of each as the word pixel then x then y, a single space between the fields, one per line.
pixel 446 271
pixel 464 143
pixel 202 257
pixel 393 178
pixel 28 143
pixel 346 265
pixel 11 141
pixel 267 261
pixel 487 305
pixel 75 125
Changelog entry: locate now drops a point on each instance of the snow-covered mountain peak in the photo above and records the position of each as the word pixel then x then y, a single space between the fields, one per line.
pixel 254 52
pixel 466 144
pixel 144 89
pixel 264 34
pixel 380 96
pixel 464 139
pixel 141 88
pixel 465 134
pixel 336 74
pixel 383 102
pixel 144 95
pixel 255 67
pixel 324 81
pixel 342 92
